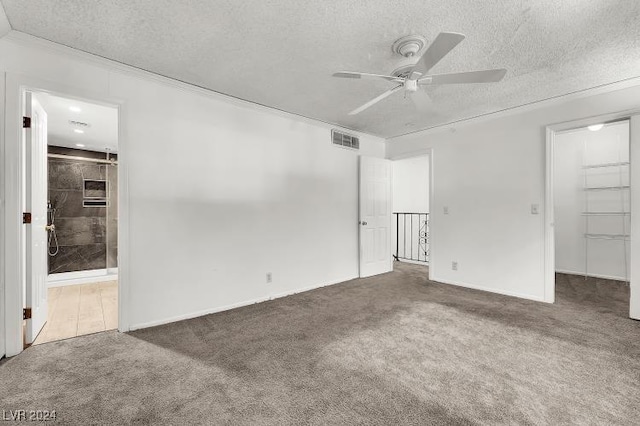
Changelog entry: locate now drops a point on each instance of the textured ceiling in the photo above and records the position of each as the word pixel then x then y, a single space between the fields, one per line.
pixel 281 53
pixel 100 134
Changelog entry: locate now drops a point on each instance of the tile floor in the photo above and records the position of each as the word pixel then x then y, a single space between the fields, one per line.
pixel 76 310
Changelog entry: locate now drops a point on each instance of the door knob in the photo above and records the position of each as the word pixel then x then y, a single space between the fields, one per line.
pixel 364 223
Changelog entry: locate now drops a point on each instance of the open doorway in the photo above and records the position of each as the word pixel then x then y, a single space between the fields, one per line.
pixel 411 192
pixel 73 183
pixel 592 211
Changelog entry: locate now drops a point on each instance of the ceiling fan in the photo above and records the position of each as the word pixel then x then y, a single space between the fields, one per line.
pixel 415 76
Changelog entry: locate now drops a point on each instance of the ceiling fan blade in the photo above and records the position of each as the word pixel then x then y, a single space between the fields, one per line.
pixel 442 45
pixel 422 101
pixel 348 74
pixel 375 100
pixel 486 76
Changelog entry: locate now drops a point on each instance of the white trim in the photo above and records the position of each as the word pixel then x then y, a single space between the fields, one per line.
pixel 13 185
pixel 390 212
pixel 23 39
pixel 549 260
pixel 12 226
pixel 432 194
pixel 123 259
pixel 490 290
pixel 80 277
pixel 234 305
pixel 581 274
pixel 634 161
pixel 2 220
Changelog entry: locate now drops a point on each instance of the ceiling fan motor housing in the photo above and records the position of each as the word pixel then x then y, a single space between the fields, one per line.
pixel 405 66
pixel 409 46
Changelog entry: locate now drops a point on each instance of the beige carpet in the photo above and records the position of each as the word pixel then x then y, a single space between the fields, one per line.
pixel 393 349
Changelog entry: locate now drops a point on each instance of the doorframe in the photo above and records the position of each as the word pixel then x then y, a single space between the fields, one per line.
pixel 549 231
pixel 431 195
pixel 13 192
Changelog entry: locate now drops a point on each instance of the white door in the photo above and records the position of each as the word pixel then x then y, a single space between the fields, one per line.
pixel 36 204
pixel 375 216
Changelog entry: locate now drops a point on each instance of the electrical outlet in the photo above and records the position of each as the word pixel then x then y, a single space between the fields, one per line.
pixel 454 265
pixel 269 277
pixel 446 210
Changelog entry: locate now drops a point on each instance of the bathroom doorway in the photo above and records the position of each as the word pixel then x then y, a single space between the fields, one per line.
pixel 78 182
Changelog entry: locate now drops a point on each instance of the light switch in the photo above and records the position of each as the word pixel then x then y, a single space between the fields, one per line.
pixel 535 208
pixel 446 210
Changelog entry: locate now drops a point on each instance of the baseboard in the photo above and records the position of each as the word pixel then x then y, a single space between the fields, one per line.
pixel 80 277
pixel 490 290
pixel 604 277
pixel 302 290
pixel 233 305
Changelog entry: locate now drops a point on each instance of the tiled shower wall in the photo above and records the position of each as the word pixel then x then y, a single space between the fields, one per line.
pixel 87 236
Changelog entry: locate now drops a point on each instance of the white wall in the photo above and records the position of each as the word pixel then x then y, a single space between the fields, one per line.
pixel 573 149
pixel 411 185
pixel 489 172
pixel 220 191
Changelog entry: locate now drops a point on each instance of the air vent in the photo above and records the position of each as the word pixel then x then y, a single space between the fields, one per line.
pixel 342 139
pixel 78 123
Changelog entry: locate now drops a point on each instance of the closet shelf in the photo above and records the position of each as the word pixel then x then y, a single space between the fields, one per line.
pixel 606 213
pixel 607 236
pixel 607 188
pixel 597 166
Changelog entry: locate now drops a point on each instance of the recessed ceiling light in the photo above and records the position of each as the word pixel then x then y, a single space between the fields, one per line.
pixel 80 145
pixel 595 127
pixel 74 109
pixel 78 131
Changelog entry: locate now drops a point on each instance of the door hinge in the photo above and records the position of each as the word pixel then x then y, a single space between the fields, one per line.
pixel 26 122
pixel 26 313
pixel 26 217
